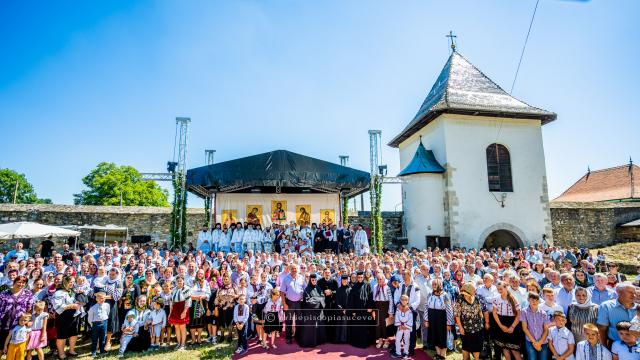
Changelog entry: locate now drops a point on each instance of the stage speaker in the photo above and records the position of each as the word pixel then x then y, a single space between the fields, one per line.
pixel 444 242
pixel 140 239
pixel 432 242
pixel 401 241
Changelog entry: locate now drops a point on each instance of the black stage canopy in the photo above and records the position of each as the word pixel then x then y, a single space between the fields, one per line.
pixel 277 171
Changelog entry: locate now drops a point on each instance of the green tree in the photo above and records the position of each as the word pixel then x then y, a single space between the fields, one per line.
pixel 15 184
pixel 109 184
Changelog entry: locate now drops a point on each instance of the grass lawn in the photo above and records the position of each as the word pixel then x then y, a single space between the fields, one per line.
pixel 205 352
pixel 624 253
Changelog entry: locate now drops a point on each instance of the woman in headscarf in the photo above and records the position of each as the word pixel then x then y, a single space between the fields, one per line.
pixel 449 286
pixel 361 306
pixel 381 297
pixel 130 292
pixel 438 312
pixel 225 301
pixel 179 313
pixel 582 311
pixel 200 292
pixel 581 279
pixel 13 303
pixel 470 314
pixel 342 303
pixel 311 331
pixel 141 313
pixel 113 289
pixel 211 318
pixel 66 323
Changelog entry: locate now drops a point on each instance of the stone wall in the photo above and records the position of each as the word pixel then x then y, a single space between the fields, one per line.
pixel 391 225
pixel 574 224
pixel 141 220
pixel 590 224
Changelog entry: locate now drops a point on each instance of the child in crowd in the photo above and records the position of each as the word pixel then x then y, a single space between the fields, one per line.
pixel 157 321
pixel 561 341
pixel 165 294
pixel 16 344
pixel 535 326
pixel 240 318
pixel 550 306
pixel 626 348
pixel 592 348
pixel 272 318
pixel 403 322
pixel 38 335
pixel 129 331
pixel 97 317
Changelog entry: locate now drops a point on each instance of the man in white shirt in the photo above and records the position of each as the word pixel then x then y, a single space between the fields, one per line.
pixel 565 295
pixel 488 291
pixel 203 236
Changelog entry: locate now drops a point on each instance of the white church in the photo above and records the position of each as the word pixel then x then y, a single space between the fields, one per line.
pixel 473 165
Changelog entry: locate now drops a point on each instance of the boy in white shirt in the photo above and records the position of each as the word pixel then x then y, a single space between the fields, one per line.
pixel 592 348
pixel 97 316
pixel 157 321
pixel 550 306
pixel 561 340
pixel 403 322
pixel 626 348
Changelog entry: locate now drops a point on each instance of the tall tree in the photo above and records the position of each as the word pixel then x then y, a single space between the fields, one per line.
pixel 109 184
pixel 14 186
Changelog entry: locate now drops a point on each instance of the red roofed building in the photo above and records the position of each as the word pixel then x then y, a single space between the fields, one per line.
pixel 620 183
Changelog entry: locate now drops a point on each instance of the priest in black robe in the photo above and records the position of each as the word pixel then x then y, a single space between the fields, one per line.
pixel 342 304
pixel 329 287
pixel 311 331
pixel 361 306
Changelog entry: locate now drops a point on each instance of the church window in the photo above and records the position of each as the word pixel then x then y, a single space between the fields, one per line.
pixel 499 168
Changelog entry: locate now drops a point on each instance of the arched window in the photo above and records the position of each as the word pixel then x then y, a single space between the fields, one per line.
pixel 499 168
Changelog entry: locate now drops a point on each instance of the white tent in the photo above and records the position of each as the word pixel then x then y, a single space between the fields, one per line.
pixel 27 230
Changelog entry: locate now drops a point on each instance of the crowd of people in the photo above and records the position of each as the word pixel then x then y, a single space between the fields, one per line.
pixel 314 285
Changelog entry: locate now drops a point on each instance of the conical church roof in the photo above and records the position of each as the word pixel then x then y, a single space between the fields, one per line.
pixel 423 162
pixel 463 89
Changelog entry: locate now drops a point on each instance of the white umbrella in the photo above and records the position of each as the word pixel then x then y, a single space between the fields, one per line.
pixel 26 230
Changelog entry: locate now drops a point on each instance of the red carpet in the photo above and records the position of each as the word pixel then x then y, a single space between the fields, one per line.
pixel 326 351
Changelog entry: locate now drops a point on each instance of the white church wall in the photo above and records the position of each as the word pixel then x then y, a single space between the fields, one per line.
pixel 423 211
pixel 240 201
pixel 423 194
pixel 474 210
pixel 432 139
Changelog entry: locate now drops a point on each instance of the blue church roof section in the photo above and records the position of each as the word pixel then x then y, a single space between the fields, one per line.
pixel 423 162
pixel 461 88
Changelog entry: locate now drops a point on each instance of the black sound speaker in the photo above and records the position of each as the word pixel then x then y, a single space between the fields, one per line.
pixel 444 242
pixel 140 239
pixel 432 242
pixel 401 241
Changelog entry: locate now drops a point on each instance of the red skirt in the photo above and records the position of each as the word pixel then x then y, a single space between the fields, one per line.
pixel 176 312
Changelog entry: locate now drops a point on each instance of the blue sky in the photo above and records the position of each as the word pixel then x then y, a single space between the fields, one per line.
pixel 85 82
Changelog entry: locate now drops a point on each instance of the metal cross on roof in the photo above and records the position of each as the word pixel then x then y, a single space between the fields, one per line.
pixel 452 37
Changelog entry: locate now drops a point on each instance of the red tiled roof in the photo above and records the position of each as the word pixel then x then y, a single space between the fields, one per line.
pixel 617 183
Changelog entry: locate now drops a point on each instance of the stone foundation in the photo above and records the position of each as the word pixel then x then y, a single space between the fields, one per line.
pixel 391 225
